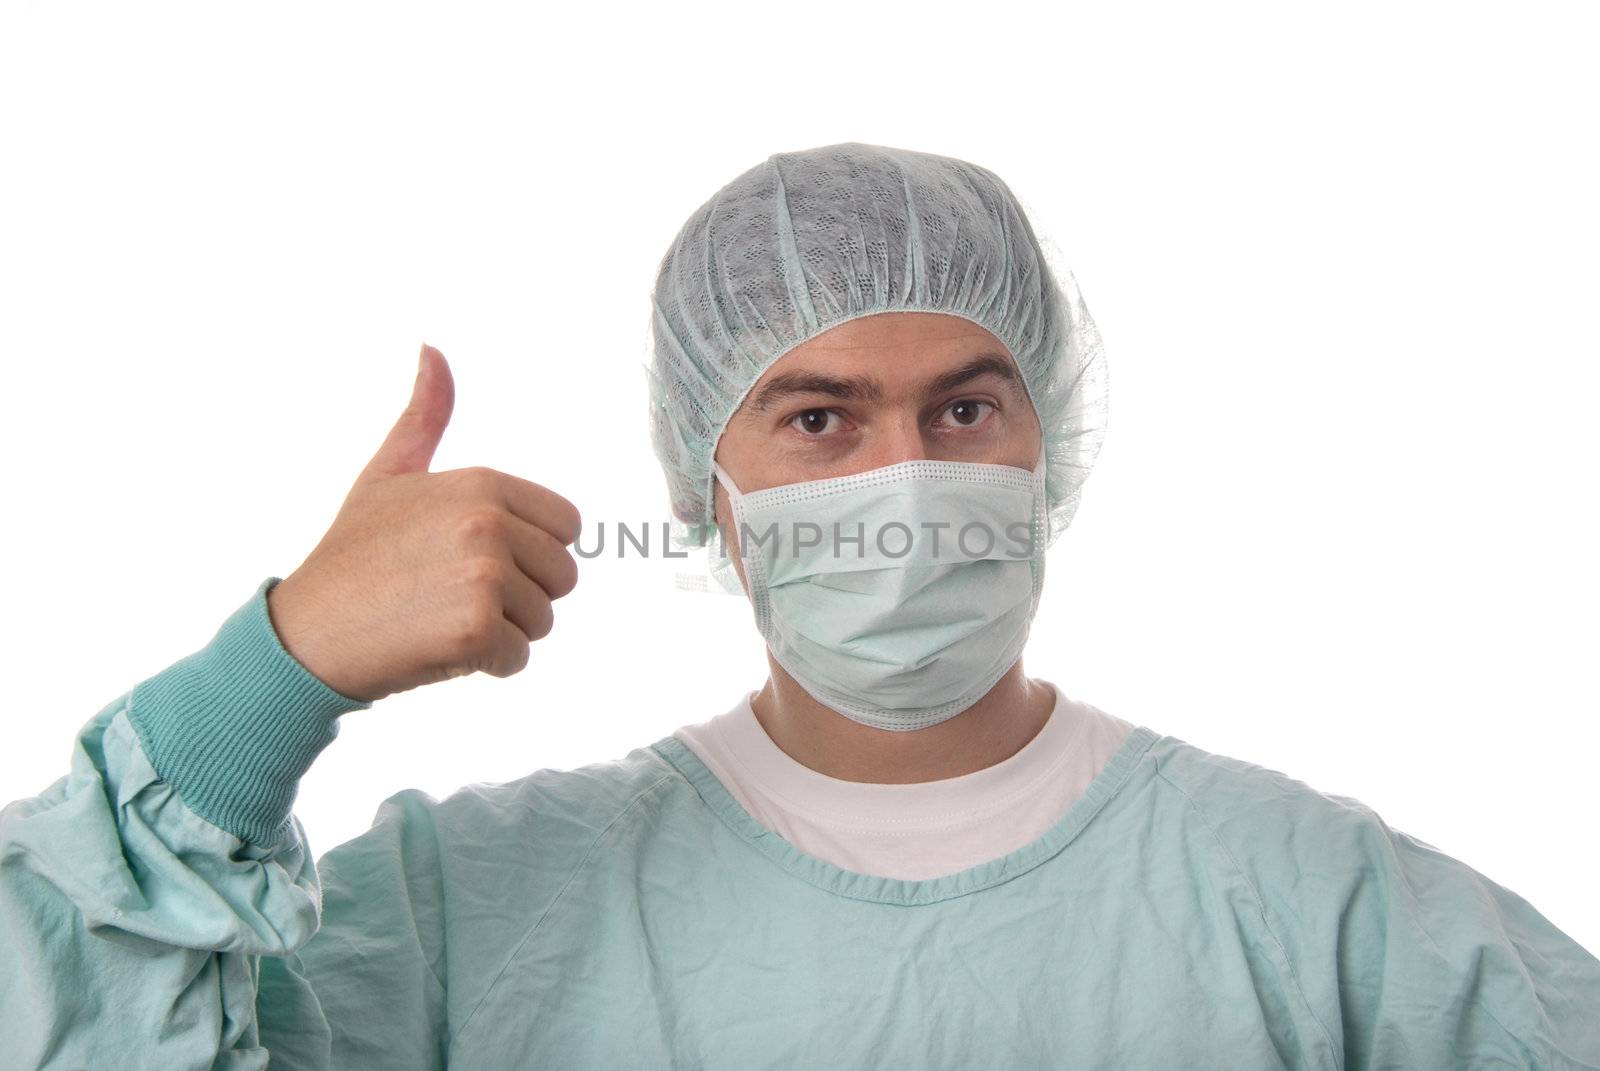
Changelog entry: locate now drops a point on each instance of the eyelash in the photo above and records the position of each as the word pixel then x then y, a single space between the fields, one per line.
pixel 794 420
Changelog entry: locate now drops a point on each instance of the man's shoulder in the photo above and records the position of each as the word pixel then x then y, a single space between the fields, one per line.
pixel 549 812
pixel 591 795
pixel 1381 927
pixel 1242 801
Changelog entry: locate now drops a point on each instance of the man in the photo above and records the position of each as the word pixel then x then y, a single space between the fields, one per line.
pixel 900 852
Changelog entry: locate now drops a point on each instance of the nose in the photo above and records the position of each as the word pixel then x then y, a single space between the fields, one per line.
pixel 895 439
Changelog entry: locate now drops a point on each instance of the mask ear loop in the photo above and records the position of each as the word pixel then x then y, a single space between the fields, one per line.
pixel 726 480
pixel 735 496
pixel 736 505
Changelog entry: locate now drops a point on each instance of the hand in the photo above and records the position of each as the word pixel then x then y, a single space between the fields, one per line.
pixel 425 575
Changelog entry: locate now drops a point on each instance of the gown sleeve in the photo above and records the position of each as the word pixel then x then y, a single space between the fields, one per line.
pixel 1407 956
pixel 1438 965
pixel 159 905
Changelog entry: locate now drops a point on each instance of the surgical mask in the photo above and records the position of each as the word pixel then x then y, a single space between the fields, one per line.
pixel 899 596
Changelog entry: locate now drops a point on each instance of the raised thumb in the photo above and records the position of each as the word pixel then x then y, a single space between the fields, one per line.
pixel 415 436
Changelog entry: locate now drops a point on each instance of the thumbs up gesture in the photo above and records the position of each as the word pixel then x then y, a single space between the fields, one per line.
pixel 425 575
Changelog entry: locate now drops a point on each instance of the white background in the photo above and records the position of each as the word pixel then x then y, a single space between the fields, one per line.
pixel 1343 257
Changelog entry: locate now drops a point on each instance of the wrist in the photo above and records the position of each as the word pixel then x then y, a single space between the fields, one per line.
pixel 292 616
pixel 235 725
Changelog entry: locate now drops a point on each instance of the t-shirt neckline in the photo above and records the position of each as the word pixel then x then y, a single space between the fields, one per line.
pixel 922 805
pixel 903 891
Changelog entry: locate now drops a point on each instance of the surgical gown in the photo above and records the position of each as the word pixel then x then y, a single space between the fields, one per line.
pixel 1190 910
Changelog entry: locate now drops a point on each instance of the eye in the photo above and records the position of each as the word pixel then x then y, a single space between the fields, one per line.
pixel 969 412
pixel 815 421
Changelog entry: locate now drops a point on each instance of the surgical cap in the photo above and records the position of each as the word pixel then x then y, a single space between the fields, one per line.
pixel 807 240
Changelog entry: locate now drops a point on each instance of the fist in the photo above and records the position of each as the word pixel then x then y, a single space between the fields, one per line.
pixel 425 576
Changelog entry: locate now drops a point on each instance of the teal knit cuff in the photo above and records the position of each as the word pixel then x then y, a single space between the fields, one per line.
pixel 234 726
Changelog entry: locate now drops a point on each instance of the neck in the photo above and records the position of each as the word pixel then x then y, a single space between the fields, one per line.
pixel 990 731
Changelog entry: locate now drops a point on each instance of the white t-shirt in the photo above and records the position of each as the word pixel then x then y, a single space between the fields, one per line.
pixel 911 831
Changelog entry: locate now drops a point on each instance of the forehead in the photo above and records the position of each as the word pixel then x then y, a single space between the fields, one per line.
pixel 892 347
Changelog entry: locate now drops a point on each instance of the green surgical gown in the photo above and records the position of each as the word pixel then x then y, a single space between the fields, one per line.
pixel 160 908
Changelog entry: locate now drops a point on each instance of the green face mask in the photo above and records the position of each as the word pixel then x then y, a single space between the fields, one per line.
pixel 899 596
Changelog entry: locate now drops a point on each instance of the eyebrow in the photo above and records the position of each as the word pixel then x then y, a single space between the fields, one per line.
pixel 984 364
pixel 868 389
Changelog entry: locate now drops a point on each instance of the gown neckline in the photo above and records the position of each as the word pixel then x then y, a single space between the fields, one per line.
pixel 909 892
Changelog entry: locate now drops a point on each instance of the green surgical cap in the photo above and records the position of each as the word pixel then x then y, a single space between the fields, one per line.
pixel 807 240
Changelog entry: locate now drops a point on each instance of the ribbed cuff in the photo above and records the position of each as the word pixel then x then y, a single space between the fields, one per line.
pixel 234 726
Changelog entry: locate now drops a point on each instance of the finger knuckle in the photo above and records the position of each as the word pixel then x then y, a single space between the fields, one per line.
pixel 472 635
pixel 566 575
pixel 484 571
pixel 481 476
pixel 571 521
pixel 567 521
pixel 481 523
pixel 475 483
pixel 544 620
pixel 558 515
pixel 513 660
